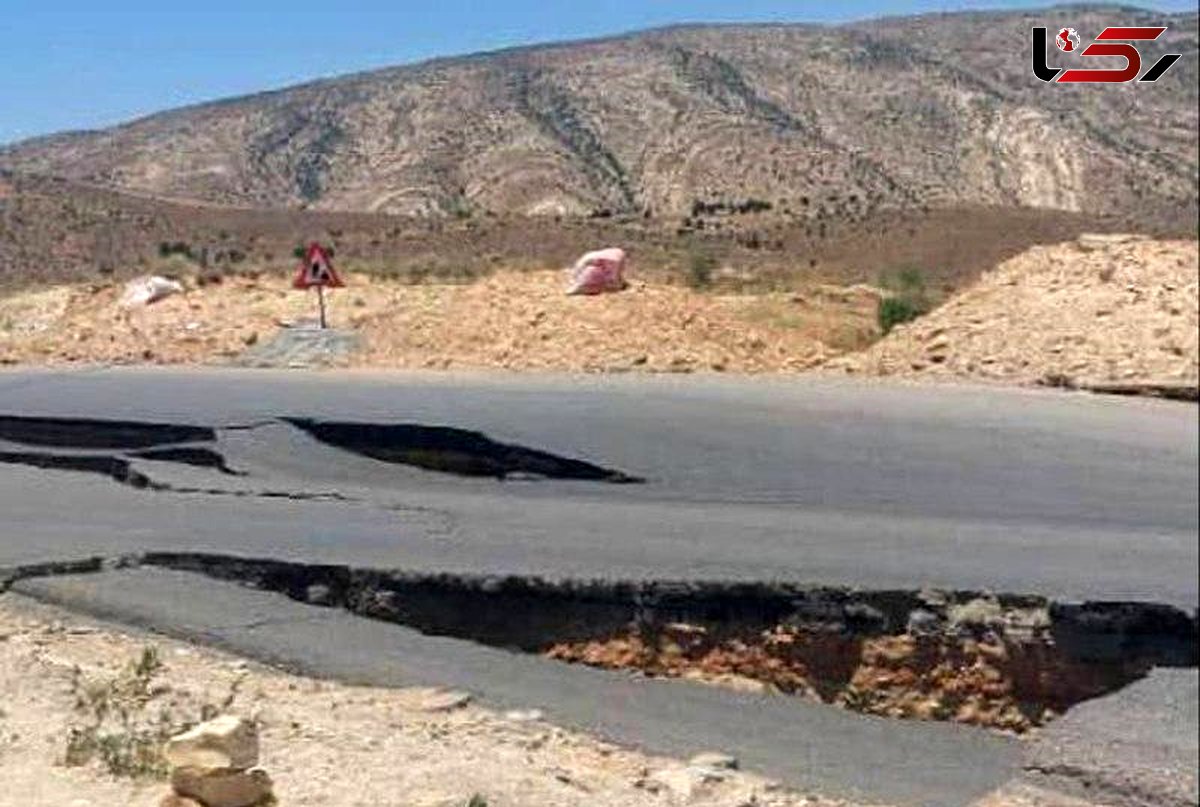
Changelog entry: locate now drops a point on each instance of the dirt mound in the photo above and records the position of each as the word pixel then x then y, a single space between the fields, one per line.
pixel 523 321
pixel 1096 311
pixel 511 320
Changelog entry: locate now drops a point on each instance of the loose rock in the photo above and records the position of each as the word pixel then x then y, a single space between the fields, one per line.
pixel 222 788
pixel 444 701
pixel 226 742
pixel 715 760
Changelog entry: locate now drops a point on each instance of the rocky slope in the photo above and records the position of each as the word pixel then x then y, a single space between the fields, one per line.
pixel 816 122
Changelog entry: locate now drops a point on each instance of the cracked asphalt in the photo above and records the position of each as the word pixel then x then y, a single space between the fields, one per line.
pixel 1068 496
pixel 819 481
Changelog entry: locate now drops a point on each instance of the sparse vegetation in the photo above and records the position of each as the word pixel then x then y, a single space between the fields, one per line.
pixel 906 301
pixel 896 310
pixel 118 724
pixel 166 249
pixel 114 728
pixel 724 207
pixel 459 207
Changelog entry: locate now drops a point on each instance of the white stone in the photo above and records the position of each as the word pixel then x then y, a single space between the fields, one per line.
pixel 225 742
pixel 715 760
pixel 444 701
pixel 685 783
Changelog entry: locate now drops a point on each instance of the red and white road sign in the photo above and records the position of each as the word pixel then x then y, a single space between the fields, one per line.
pixel 316 270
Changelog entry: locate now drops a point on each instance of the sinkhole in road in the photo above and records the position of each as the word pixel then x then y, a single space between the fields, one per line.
pixel 89 433
pixel 440 449
pixel 1010 662
pixel 451 450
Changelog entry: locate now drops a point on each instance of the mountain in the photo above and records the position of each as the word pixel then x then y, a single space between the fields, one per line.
pixel 811 122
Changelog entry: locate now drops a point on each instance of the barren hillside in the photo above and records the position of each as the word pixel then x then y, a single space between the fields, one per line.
pixel 57 230
pixel 815 122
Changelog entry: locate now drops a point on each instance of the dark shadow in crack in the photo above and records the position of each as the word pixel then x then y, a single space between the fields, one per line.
pixel 858 648
pixel 453 451
pixel 120 470
pixel 86 433
pixel 112 467
pixel 198 457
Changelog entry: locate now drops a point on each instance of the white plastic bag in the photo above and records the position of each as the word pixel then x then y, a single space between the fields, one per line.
pixel 147 290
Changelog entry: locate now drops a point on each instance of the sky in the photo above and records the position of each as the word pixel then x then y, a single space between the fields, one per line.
pixel 79 64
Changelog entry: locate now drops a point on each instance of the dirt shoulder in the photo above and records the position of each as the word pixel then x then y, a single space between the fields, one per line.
pixel 323 743
pixel 1111 312
pixel 510 320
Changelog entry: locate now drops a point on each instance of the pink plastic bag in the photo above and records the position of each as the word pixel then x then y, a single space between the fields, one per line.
pixel 598 272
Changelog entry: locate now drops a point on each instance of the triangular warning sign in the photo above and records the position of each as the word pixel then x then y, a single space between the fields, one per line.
pixel 316 270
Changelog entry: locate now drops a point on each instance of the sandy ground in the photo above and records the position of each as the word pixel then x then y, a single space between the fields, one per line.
pixel 323 743
pixel 1104 309
pixel 1099 310
pixel 509 320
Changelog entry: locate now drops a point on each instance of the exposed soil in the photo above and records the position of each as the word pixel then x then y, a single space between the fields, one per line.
pixel 1085 313
pixel 510 320
pixel 1010 662
pixel 992 680
pixel 1115 313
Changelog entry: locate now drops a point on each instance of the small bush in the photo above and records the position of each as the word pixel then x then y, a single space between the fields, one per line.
pixel 113 731
pixel 894 310
pixel 907 300
pixel 701 265
pixel 167 248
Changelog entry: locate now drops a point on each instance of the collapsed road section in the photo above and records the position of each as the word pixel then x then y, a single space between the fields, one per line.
pixel 1004 661
pixel 441 449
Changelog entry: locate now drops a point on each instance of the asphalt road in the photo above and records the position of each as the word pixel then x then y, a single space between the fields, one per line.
pixel 809 746
pixel 807 480
pixel 816 481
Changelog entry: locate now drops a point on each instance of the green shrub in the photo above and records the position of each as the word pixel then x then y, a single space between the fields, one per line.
pixel 894 310
pixel 906 301
pixel 166 249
